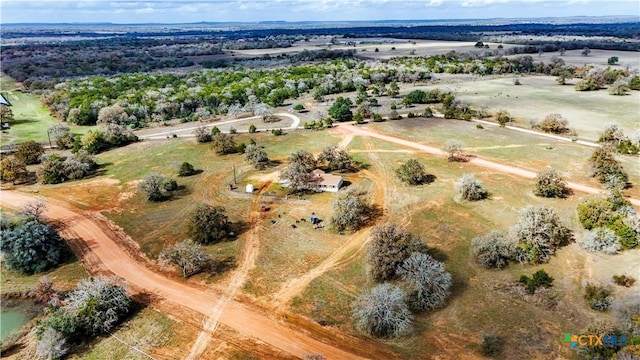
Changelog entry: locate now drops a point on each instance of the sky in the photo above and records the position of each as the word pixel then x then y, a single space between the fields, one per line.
pixel 188 11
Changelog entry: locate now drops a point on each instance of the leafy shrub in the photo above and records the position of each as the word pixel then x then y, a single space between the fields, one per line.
pixel 600 239
pixel 503 117
pixel 186 169
pixel 491 345
pixel 603 166
pixel 427 282
pixel 598 297
pixel 549 183
pixel 539 278
pixel 382 312
pixel 29 152
pixel 624 280
pixel 493 250
pixel 202 134
pixel 595 212
pixel 470 188
pixel 554 123
pixel 412 172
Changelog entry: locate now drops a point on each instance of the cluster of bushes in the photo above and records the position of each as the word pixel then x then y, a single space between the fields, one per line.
pixel 533 239
pixel 409 279
pixel 604 166
pixel 93 308
pixel 56 169
pixel 613 136
pixel 539 279
pixel 611 222
pixel 157 187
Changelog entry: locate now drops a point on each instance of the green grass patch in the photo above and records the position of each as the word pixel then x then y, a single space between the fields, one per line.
pixel 146 331
pixel 64 277
pixel 31 118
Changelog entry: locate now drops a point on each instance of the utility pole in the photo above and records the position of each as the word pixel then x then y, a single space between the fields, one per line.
pixel 49 136
pixel 235 182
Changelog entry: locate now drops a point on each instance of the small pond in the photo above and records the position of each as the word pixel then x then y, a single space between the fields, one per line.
pixel 13 315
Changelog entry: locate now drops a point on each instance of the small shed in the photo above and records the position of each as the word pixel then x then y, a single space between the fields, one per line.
pixel 249 188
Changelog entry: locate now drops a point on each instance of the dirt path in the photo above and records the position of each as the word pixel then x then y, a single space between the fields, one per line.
pixel 508 169
pixel 356 242
pixel 247 263
pixel 243 318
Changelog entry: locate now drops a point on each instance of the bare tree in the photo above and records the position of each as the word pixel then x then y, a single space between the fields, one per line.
pixel 493 250
pixel 256 155
pixel 153 186
pixel 454 148
pixel 187 255
pixel 539 232
pixel 304 158
pixel 223 143
pixel 427 281
pixel 382 312
pixel 600 239
pixel 470 188
pixel 351 210
pixel 52 345
pixel 299 178
pixel 387 247
pixel 336 158
pixel 33 210
pixel 202 134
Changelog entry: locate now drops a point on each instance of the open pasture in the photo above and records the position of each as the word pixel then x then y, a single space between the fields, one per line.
pixel 588 112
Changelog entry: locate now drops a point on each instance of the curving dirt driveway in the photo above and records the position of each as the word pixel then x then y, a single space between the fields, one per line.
pixel 241 317
pixel 508 169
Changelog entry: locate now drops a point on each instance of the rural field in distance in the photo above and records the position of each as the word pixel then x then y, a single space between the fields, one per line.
pixel 397 189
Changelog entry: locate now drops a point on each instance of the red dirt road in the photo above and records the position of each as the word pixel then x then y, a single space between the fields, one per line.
pixel 508 169
pixel 241 317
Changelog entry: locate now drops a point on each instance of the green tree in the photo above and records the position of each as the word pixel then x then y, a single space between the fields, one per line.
pixel 340 110
pixel 6 114
pixel 554 123
pixel 612 60
pixel 94 142
pixel 252 129
pixel 33 247
pixel 503 117
pixel 335 157
pixel 304 159
pixel 549 183
pixel 12 169
pixel 223 143
pixel 208 224
pixel 186 169
pixel 29 152
pixel 299 108
pixel 413 172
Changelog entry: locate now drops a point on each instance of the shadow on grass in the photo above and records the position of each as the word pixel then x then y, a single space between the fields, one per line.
pixel 220 266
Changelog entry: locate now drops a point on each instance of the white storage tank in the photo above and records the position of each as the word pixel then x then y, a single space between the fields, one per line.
pixel 249 188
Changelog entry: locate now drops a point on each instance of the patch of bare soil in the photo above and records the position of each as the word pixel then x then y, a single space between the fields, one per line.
pixel 297 338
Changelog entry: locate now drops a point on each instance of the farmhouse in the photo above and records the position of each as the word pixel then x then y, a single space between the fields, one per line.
pixel 327 182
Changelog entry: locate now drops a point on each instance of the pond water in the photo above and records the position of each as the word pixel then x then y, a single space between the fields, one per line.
pixel 13 317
